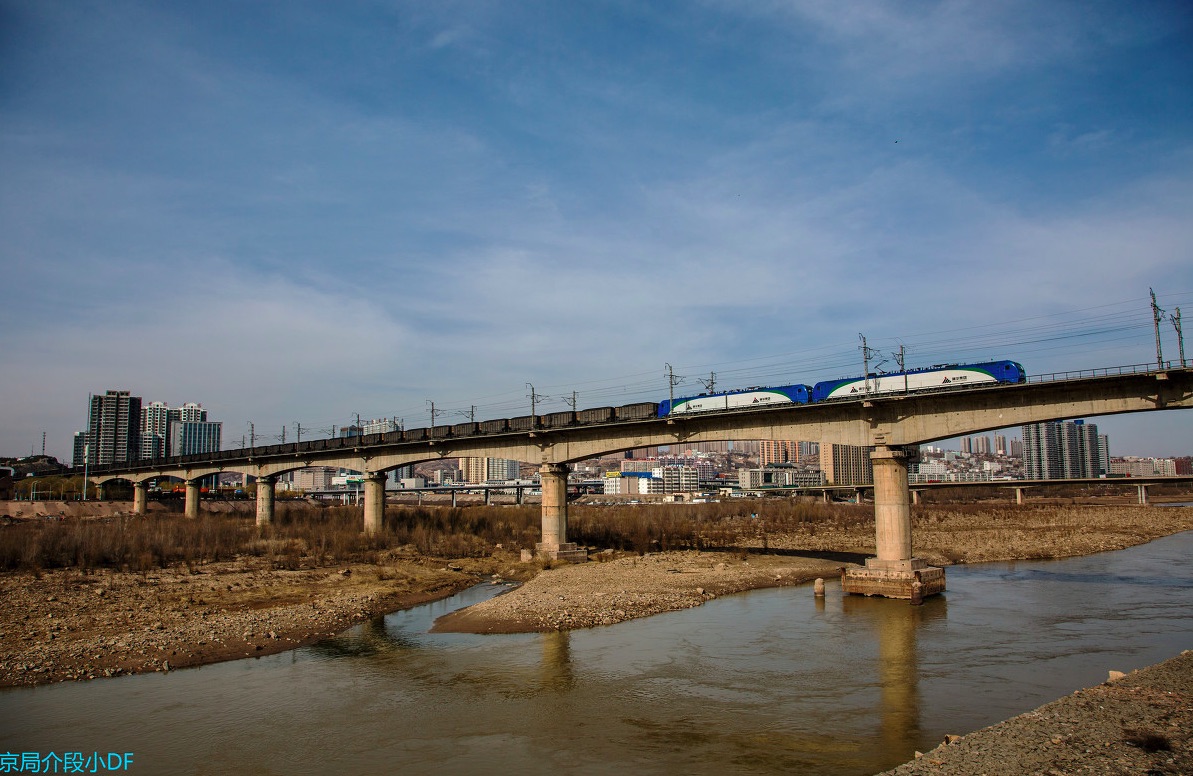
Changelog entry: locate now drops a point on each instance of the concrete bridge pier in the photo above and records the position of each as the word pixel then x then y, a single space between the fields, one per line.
pixel 192 499
pixel 140 497
pixel 1019 496
pixel 265 496
pixel 99 492
pixel 894 571
pixel 1142 495
pixel 554 480
pixel 915 498
pixel 454 492
pixel 374 501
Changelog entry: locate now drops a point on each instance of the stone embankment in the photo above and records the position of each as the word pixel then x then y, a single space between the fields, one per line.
pixel 1138 724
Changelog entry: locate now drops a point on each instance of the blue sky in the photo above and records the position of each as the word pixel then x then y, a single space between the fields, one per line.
pixel 296 212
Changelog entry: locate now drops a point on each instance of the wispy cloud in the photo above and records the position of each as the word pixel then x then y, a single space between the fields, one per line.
pixel 313 212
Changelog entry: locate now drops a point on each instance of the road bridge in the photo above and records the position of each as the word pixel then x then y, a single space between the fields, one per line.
pixel 1140 484
pixel 891 424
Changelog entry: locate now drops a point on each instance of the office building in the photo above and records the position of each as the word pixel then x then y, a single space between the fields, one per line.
pixel 314 478
pixel 779 476
pixel 678 479
pixel 194 437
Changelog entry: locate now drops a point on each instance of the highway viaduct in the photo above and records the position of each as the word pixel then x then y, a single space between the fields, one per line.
pixel 888 423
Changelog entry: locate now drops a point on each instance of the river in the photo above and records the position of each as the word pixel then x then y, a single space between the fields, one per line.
pixel 771 681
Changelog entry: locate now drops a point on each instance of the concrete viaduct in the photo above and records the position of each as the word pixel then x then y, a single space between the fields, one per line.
pixel 889 423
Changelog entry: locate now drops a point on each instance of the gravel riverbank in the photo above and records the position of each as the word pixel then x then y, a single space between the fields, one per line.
pixel 623 589
pixel 67 624
pixel 1140 724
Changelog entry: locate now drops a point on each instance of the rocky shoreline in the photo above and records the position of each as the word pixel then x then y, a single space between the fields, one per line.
pixel 1140 723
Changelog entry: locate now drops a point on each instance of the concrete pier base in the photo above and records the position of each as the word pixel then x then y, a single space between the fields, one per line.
pixel 894 579
pixel 894 573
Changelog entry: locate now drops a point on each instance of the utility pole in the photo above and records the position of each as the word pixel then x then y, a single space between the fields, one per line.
pixel 901 360
pixel 252 436
pixel 283 434
pixel 672 381
pixel 468 413
pixel 1180 338
pixel 710 383
pixel 866 353
pixel 43 444
pixel 534 400
pixel 1157 315
pixel 298 430
pixel 434 414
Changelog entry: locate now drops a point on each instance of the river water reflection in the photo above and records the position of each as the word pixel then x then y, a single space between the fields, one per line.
pixel 766 682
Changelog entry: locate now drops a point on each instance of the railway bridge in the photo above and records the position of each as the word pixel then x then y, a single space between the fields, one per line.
pixel 892 424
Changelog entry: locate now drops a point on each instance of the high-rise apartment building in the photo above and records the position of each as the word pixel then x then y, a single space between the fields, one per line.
pixel 846 464
pixel 1058 450
pixel 155 430
pixel 777 451
pixel 80 448
pixel 158 422
pixel 479 470
pixel 114 422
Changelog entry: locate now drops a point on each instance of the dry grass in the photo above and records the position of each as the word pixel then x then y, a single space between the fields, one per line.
pixel 308 535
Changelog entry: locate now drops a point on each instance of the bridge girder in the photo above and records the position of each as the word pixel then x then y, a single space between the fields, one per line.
pixel 891 420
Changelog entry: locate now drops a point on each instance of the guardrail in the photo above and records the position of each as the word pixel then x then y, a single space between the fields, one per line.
pixel 1110 371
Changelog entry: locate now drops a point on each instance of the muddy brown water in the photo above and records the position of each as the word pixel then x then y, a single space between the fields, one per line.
pixel 771 681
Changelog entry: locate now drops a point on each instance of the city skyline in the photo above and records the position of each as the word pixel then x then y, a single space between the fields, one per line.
pixel 452 202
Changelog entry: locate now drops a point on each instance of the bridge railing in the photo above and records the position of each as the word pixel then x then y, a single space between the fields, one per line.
pixel 1085 374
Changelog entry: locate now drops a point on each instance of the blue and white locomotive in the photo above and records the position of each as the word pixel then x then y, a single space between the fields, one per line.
pixel 933 378
pixel 730 400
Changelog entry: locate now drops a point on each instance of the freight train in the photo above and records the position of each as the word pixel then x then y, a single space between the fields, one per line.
pixel 935 378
